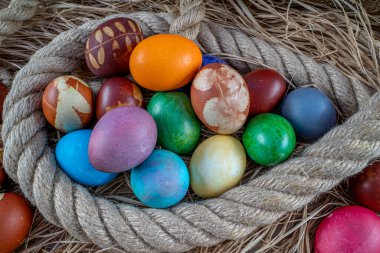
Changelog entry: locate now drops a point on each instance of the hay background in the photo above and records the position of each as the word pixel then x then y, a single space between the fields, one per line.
pixel 344 35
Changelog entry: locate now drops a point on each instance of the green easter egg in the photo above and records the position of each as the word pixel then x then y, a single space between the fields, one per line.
pixel 269 139
pixel 178 127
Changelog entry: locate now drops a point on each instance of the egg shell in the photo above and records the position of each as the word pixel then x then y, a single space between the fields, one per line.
pixel 365 187
pixel 269 139
pixel 122 139
pixel 116 92
pixel 109 47
pixel 310 111
pixel 3 93
pixel 208 59
pixel 165 62
pixel 67 103
pixel 178 127
pixel 15 221
pixel 349 229
pixel 160 181
pixel 220 98
pixel 72 156
pixel 3 176
pixel 217 165
pixel 266 90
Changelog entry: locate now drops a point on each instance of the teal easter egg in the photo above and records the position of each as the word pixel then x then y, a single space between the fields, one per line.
pixel 269 139
pixel 178 127
pixel 72 156
pixel 160 181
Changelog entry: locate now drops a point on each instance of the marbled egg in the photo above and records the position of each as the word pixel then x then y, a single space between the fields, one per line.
pixel 15 221
pixel 3 93
pixel 365 187
pixel 160 181
pixel 310 111
pixel 72 156
pixel 165 62
pixel 67 103
pixel 109 47
pixel 208 59
pixel 122 139
pixel 217 165
pixel 179 129
pixel 269 139
pixel 220 98
pixel 116 92
pixel 266 90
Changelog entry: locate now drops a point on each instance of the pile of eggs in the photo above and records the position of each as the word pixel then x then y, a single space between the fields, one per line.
pixel 125 134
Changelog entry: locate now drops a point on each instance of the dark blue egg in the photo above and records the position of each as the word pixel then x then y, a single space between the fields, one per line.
pixel 208 59
pixel 72 156
pixel 162 180
pixel 310 111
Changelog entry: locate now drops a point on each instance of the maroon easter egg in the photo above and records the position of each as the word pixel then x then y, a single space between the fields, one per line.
pixel 220 98
pixel 15 221
pixel 266 90
pixel 122 139
pixel 116 92
pixel 3 93
pixel 3 176
pixel 110 45
pixel 365 187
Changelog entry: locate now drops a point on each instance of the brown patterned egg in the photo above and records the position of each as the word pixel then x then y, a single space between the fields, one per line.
pixel 109 47
pixel 3 93
pixel 220 98
pixel 67 103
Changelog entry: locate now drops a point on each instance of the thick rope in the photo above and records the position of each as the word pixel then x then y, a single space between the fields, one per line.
pixel 28 159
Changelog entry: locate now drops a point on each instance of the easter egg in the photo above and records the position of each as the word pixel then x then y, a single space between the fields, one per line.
pixel 217 165
pixel 365 187
pixel 165 62
pixel 160 181
pixel 3 176
pixel 269 139
pixel 220 98
pixel 310 112
pixel 178 127
pixel 122 139
pixel 208 59
pixel 67 103
pixel 348 229
pixel 116 92
pixel 109 47
pixel 3 93
pixel 266 90
pixel 15 221
pixel 72 156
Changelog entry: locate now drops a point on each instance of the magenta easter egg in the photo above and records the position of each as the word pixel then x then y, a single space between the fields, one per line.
pixel 351 229
pixel 122 139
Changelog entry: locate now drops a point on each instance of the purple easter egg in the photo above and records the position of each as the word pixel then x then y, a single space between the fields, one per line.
pixel 122 139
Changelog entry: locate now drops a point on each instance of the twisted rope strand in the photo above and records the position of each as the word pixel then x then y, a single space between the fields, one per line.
pixel 342 152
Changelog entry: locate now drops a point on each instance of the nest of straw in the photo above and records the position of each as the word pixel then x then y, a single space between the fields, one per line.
pixel 339 32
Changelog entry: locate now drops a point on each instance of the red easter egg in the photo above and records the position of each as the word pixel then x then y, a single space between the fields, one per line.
pixel 351 229
pixel 365 187
pixel 116 92
pixel 15 221
pixel 220 98
pixel 67 103
pixel 110 45
pixel 266 89
pixel 3 93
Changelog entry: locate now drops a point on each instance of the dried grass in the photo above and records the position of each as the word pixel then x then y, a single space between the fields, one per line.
pixel 344 36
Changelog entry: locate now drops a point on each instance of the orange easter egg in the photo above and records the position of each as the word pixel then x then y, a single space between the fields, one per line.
pixel 165 62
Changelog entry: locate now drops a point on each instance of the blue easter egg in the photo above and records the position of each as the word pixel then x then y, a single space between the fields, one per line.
pixel 208 59
pixel 72 156
pixel 162 180
pixel 310 111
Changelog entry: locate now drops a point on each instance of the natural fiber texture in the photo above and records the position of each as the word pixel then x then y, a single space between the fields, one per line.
pixel 344 151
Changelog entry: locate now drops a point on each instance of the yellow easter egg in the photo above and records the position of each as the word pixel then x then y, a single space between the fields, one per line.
pixel 217 165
